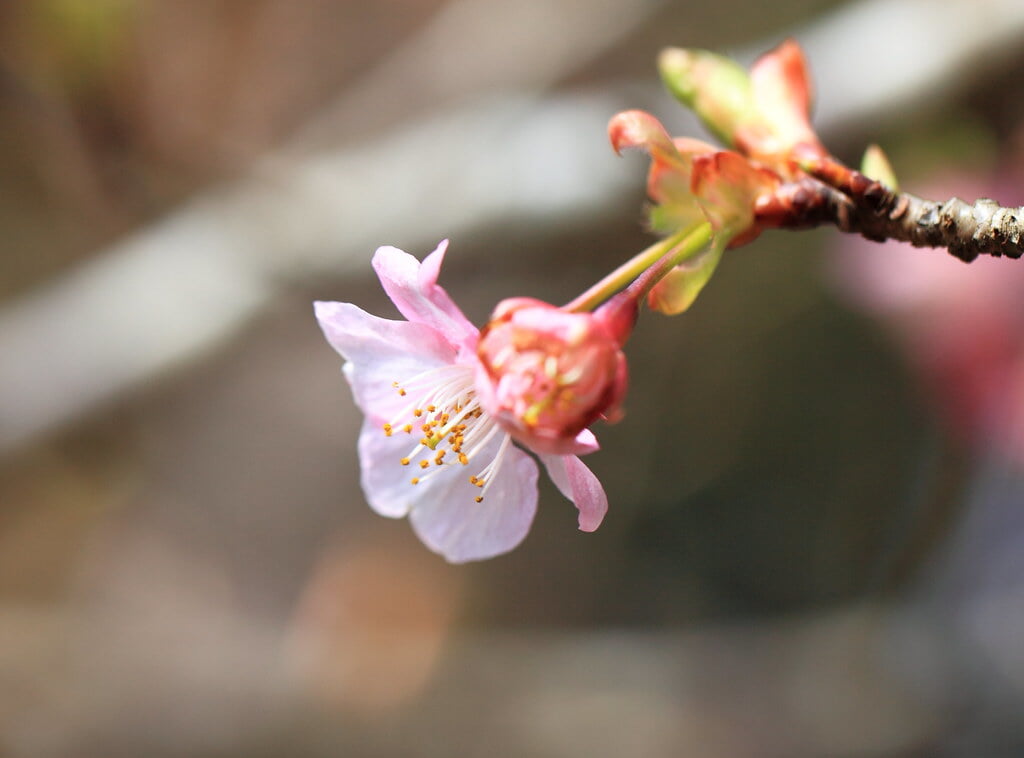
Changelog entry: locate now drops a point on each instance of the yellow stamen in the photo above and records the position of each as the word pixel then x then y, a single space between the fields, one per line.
pixel 448 424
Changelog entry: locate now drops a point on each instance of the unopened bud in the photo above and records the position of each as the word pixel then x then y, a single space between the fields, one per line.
pixel 547 374
pixel 875 165
pixel 716 88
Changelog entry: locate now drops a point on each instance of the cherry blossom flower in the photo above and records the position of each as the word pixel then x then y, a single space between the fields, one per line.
pixel 429 448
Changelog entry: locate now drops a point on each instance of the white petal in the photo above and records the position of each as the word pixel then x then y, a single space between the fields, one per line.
pixel 414 290
pixel 449 520
pixel 380 352
pixel 386 482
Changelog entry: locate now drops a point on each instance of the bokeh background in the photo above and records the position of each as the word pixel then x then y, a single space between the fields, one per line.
pixel 816 538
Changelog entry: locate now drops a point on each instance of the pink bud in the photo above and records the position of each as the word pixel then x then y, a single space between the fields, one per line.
pixel 546 374
pixel 782 95
pixel 765 115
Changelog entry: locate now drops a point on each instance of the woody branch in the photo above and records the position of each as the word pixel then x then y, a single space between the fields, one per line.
pixel 832 193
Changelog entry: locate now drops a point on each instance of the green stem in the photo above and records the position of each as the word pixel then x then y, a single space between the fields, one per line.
pixel 679 246
pixel 696 240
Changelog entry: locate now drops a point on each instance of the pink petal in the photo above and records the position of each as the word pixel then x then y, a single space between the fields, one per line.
pixel 380 352
pixel 581 486
pixel 413 288
pixel 586 442
pixel 448 519
pixel 782 90
pixel 640 129
pixel 782 86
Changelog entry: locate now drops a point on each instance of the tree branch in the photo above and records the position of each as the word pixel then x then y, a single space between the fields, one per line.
pixel 837 195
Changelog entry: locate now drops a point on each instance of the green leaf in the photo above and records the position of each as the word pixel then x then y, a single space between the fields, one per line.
pixel 681 286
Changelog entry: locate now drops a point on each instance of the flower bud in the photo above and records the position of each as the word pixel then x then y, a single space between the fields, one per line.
pixel 546 374
pixel 765 115
pixel 875 165
pixel 715 87
pixel 782 93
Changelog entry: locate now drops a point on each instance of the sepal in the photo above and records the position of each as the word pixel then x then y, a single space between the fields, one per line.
pixel 680 287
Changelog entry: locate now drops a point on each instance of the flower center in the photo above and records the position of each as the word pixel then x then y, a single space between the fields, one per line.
pixel 452 427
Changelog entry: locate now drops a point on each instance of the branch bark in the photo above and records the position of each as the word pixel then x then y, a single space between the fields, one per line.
pixel 834 194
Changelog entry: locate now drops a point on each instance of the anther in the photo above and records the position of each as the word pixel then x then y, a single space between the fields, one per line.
pixel 405 461
pixel 424 463
pixel 415 480
pixel 479 498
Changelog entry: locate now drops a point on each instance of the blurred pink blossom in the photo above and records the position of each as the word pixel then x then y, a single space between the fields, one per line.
pixel 960 325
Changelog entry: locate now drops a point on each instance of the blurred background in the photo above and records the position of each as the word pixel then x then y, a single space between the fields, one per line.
pixel 816 538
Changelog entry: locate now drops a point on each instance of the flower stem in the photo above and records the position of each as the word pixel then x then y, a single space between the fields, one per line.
pixel 678 244
pixel 695 240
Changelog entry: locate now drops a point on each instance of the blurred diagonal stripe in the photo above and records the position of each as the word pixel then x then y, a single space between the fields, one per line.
pixel 476 47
